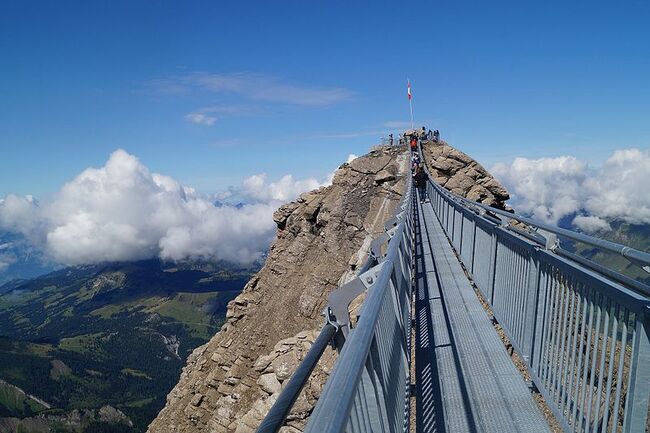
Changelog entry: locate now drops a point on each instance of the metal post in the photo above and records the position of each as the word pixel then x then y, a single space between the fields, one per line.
pixel 532 296
pixel 636 408
pixel 493 266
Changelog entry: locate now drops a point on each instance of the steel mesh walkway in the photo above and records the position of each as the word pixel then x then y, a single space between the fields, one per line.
pixel 465 380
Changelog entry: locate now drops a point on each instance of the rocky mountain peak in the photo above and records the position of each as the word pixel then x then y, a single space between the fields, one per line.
pixel 462 175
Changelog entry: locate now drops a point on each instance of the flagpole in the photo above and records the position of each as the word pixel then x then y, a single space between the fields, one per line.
pixel 408 83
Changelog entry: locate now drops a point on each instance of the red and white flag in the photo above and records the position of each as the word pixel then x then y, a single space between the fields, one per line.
pixel 408 89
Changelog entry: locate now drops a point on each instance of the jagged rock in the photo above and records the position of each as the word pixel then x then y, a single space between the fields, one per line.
pixel 384 176
pixel 269 383
pixel 462 175
pixel 196 400
pixel 262 362
pixel 285 364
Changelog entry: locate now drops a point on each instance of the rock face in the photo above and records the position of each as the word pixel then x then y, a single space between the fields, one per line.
pixel 462 175
pixel 230 383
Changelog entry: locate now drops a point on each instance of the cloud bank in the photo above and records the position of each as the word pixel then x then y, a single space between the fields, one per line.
pixel 122 211
pixel 552 188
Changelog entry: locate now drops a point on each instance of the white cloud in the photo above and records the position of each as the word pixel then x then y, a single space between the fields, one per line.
pixel 283 190
pixel 552 188
pixel 207 116
pixel 200 118
pixel 591 224
pixel 622 187
pixel 351 157
pixel 250 85
pixel 122 211
pixel 546 188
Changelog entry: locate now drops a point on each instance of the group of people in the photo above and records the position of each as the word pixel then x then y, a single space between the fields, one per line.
pixel 431 135
pixel 412 136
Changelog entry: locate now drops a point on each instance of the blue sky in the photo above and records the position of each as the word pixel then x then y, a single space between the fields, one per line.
pixel 294 87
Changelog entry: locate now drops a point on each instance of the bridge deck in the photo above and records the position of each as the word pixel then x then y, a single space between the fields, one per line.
pixel 466 382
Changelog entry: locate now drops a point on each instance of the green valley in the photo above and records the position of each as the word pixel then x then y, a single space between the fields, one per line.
pixel 105 339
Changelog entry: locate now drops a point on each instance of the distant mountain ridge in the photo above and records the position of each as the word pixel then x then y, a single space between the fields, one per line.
pixel 19 260
pixel 636 236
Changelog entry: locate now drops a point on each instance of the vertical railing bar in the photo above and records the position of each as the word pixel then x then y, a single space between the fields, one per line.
pixel 603 355
pixel 580 366
pixel 377 380
pixel 639 338
pixel 564 336
pixel 520 295
pixel 566 365
pixel 585 373
pixel 610 369
pixel 619 374
pixel 575 318
pixel 473 245
pixel 576 400
pixel 506 291
pixel 548 334
pixel 541 359
pixel 363 400
pixel 593 362
pixel 538 334
pixel 523 302
pixel 530 307
pixel 557 355
pixel 555 331
pixel 354 414
pixel 493 259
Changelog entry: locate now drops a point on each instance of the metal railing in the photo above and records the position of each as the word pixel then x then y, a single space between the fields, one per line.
pixel 583 335
pixel 369 386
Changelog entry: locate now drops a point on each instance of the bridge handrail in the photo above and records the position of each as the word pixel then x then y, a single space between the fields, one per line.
pixel 366 371
pixel 638 256
pixel 585 338
pixel 370 275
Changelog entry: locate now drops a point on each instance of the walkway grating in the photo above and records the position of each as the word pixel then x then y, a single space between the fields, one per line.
pixel 466 382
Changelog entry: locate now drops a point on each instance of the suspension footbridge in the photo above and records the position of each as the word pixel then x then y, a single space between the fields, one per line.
pixel 480 320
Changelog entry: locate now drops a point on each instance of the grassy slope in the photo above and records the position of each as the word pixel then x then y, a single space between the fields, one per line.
pixel 97 334
pixel 15 403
